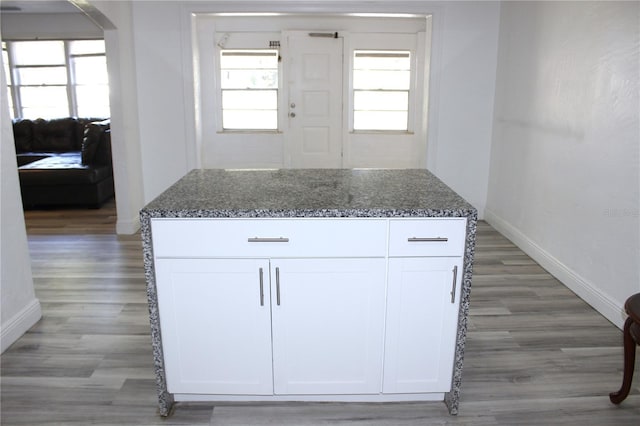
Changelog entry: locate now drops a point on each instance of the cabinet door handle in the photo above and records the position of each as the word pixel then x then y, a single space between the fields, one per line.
pixel 428 240
pixel 278 286
pixel 268 240
pixel 261 287
pixel 453 287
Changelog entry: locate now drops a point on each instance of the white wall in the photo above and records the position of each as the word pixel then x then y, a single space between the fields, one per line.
pixel 564 181
pixel 463 77
pixel 19 308
pixel 162 97
pixel 151 95
pixel 116 20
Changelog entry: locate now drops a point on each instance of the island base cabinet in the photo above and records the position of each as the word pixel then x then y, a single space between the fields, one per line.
pixel 422 305
pixel 283 327
pixel 328 325
pixel 216 325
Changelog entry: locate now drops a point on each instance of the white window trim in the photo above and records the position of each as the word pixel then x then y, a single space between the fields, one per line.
pixel 377 41
pixel 243 40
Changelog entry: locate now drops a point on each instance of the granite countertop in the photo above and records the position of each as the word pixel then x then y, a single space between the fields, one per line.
pixel 308 193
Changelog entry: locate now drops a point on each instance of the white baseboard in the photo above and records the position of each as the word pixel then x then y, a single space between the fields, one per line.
pixel 127 227
pixel 19 324
pixel 585 289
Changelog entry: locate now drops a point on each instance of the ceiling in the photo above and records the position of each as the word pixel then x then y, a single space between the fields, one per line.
pixel 37 6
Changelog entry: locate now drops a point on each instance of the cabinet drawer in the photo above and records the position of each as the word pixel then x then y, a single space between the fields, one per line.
pixel 427 237
pixel 269 237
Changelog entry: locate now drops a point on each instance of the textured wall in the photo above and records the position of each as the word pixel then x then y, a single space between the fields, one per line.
pixel 564 180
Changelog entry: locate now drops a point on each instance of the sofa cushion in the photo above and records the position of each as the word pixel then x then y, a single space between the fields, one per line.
pixel 90 143
pixel 65 168
pixel 30 157
pixel 56 135
pixel 23 135
pixel 93 135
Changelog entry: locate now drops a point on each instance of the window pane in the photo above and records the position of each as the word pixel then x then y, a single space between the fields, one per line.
pixel 249 59
pixel 384 80
pixel 93 101
pixel 250 99
pixel 7 74
pixel 380 120
pixel 381 101
pixel 381 60
pixel 39 52
pixel 381 83
pixel 5 62
pixel 251 71
pixel 10 101
pixel 43 112
pixel 42 75
pixel 249 79
pixel 90 70
pixel 249 120
pixel 51 96
pixel 83 47
pixel 12 114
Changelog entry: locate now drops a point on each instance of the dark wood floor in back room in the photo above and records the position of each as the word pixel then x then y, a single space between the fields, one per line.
pixel 536 353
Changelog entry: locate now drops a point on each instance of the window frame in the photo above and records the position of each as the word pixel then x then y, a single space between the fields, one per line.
pixel 277 89
pixel 13 80
pixel 383 42
pixel 372 91
pixel 245 41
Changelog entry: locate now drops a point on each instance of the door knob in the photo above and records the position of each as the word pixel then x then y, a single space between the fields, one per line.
pixel 293 105
pixel 292 114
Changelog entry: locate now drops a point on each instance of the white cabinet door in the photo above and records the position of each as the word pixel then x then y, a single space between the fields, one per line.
pixel 328 322
pixel 422 315
pixel 216 327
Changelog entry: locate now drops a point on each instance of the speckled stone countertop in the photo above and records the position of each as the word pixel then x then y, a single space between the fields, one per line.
pixel 307 193
pixel 304 193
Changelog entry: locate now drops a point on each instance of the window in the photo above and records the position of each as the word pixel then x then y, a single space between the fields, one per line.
pixel 249 83
pixel 91 81
pixel 7 75
pixel 57 78
pixel 40 77
pixel 381 82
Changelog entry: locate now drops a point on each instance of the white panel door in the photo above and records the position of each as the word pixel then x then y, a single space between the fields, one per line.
pixel 314 77
pixel 423 296
pixel 328 321
pixel 216 325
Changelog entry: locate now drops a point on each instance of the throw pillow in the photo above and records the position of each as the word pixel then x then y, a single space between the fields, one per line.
pixel 23 135
pixel 92 136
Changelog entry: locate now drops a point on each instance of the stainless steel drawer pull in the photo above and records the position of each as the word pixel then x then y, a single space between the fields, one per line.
pixel 428 240
pixel 278 286
pixel 453 288
pixel 261 287
pixel 268 240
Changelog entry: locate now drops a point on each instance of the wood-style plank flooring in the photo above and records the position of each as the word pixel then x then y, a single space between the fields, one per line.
pixel 536 353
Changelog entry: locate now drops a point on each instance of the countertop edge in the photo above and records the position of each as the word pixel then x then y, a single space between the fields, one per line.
pixel 147 213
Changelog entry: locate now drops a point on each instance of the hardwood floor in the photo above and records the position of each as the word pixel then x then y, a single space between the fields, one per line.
pixel 536 353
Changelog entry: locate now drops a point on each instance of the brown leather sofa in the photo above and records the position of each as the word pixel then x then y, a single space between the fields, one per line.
pixel 65 161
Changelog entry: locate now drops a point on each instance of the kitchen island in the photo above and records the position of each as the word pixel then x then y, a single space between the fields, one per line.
pixel 308 285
